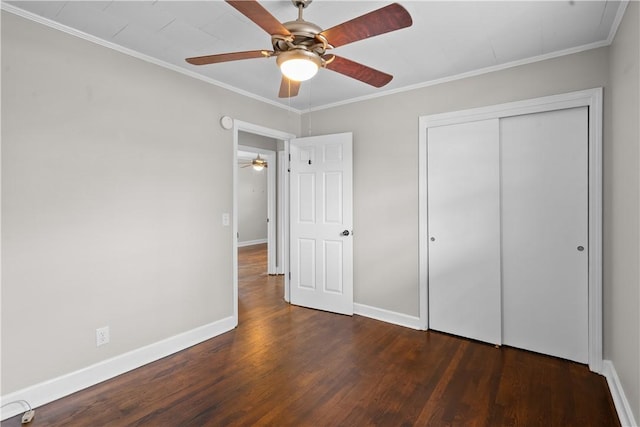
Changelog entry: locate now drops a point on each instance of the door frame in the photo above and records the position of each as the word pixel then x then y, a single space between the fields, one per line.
pixel 282 212
pixel 238 126
pixel 591 98
pixel 270 157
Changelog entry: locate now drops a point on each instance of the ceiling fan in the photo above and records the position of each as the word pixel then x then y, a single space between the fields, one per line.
pixel 300 47
pixel 258 163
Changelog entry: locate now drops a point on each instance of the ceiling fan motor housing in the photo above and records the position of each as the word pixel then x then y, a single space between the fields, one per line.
pixel 297 54
pixel 305 38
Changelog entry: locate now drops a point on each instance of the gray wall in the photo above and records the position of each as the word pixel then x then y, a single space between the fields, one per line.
pixel 115 175
pixel 252 204
pixel 622 207
pixel 258 141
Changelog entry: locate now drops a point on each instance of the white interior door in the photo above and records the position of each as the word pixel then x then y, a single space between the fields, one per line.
pixel 321 221
pixel 463 196
pixel 545 232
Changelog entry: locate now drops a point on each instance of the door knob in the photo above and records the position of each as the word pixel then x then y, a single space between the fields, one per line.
pixel 433 239
pixel 345 233
pixel 581 248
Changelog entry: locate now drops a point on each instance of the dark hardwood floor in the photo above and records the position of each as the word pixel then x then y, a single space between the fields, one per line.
pixel 291 366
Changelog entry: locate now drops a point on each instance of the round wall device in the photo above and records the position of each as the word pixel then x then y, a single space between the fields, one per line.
pixel 226 122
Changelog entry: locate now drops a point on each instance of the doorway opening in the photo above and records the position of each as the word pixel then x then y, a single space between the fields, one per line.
pixel 256 194
pixel 270 144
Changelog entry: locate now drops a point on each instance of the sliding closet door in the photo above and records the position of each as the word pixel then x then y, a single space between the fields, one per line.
pixel 544 232
pixel 464 230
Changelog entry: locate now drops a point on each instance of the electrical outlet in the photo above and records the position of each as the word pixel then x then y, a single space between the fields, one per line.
pixel 27 417
pixel 102 336
pixel 226 220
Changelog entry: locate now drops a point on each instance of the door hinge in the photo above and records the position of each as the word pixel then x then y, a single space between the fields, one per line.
pixel 289 275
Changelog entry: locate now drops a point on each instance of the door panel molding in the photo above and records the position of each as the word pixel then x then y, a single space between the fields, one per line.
pixel 591 98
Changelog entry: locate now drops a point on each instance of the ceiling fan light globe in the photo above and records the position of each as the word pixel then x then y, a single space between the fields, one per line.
pixel 298 65
pixel 299 69
pixel 258 167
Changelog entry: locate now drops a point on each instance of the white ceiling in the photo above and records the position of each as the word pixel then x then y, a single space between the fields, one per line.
pixel 448 39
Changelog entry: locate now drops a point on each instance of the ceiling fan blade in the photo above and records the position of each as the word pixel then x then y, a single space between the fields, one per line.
pixel 389 18
pixel 288 88
pixel 358 71
pixel 225 57
pixel 260 16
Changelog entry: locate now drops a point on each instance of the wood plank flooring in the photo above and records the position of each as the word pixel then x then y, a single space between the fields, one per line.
pixel 291 366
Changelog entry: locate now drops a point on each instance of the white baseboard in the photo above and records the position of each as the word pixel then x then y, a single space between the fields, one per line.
pixel 625 414
pixel 48 391
pixel 251 242
pixel 387 316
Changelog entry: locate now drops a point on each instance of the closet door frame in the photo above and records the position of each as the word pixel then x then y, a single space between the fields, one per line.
pixel 591 98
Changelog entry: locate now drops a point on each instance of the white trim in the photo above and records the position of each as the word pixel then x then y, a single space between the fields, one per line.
pixel 423 238
pixel 596 114
pixel 591 98
pixel 56 388
pixel 238 126
pixel 387 316
pixel 625 414
pixel 622 8
pixel 528 106
pixel 287 243
pixel 251 243
pixel 280 240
